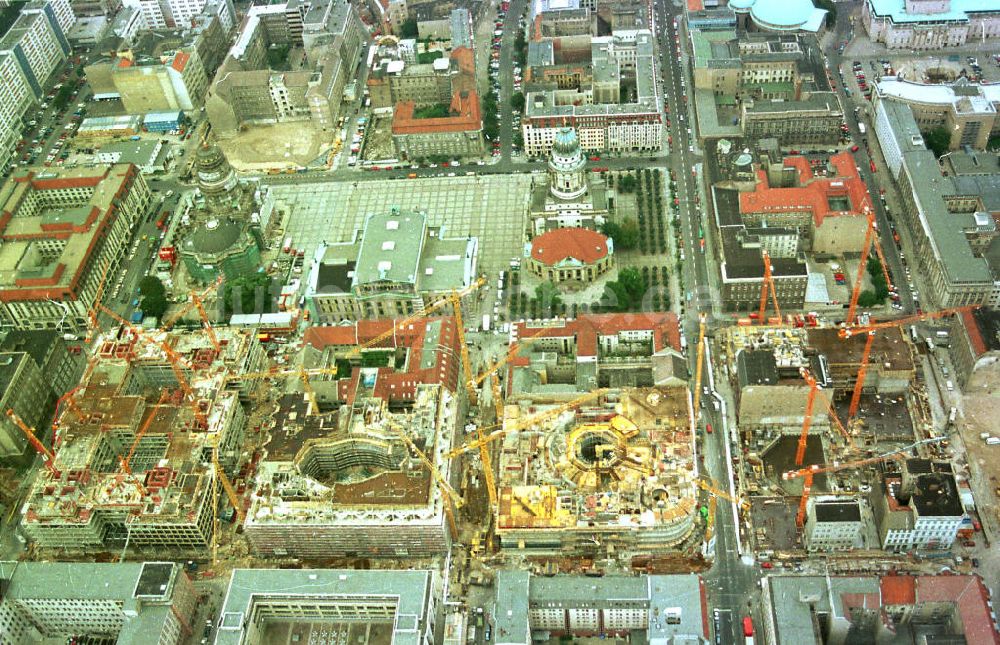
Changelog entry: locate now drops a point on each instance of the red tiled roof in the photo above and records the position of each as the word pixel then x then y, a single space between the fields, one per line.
pixel 124 62
pixel 695 5
pixel 813 193
pixel 464 107
pixel 970 597
pixel 557 245
pixel 180 61
pixel 898 590
pixel 389 384
pixel 975 335
pixel 587 330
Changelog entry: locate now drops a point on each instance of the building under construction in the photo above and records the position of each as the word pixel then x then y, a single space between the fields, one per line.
pixel 354 482
pixel 133 463
pixel 616 474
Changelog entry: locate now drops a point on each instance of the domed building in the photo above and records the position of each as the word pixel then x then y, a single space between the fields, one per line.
pixel 570 255
pixel 571 196
pixel 221 239
pixel 779 15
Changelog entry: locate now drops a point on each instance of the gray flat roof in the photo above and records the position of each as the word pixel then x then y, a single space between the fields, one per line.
pixel 121 582
pixel 409 591
pixel 391 245
pixel 795 600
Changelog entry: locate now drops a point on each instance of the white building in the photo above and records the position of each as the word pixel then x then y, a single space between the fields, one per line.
pixel 39 44
pixel 160 14
pixel 930 24
pixel 15 98
pixel 920 510
pixel 833 525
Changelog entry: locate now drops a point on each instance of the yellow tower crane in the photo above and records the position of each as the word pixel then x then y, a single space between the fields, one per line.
pixel 698 368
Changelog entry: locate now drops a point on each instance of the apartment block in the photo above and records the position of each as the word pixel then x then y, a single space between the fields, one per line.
pixel 38 44
pixel 266 605
pixel 588 96
pixel 168 14
pixel 130 603
pixel 396 265
pixel 64 231
pixel 669 609
pixel 930 24
pixel 384 504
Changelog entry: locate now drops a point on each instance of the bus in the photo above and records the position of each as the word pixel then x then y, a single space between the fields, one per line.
pixel 748 630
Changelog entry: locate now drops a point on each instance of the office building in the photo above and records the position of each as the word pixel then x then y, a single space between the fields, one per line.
pixel 597 350
pixel 460 134
pixel 947 215
pixel 129 603
pixel 271 605
pixel 973 343
pixel 920 509
pixel 606 455
pixel 664 609
pixel 967 111
pixel 922 24
pixel 840 610
pixel 23 389
pixel 832 525
pixel 133 406
pixel 16 95
pixel 68 229
pixel 396 265
pixel 38 43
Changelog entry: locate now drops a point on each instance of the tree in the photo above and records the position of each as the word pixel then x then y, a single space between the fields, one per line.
pixel 867 298
pixel 627 183
pixel 548 299
pixel 625 235
pixel 938 140
pixel 153 296
pixel 248 295
pixel 408 29
pixel 635 285
pixel 517 101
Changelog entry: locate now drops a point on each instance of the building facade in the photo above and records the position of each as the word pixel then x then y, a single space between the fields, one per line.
pixel 396 265
pixel 930 24
pixel 57 274
pixel 458 135
pixel 128 603
pixel 570 255
pixel 26 392
pixel 832 526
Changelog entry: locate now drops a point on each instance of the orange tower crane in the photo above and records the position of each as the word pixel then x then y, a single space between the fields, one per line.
pixel 48 456
pixel 862 265
pixel 767 285
pixel 508 357
pixel 173 358
pixel 98 297
pixel 871 330
pixel 862 374
pixel 800 451
pixel 807 474
pixel 207 324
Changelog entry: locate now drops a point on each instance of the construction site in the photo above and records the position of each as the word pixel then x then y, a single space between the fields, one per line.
pixel 616 475
pixel 145 446
pixel 827 417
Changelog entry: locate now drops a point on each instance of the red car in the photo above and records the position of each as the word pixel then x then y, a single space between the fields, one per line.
pixel 595 158
pixel 854 148
pixel 708 428
pixel 766 565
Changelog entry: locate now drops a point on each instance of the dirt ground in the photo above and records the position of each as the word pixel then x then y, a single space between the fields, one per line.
pixel 282 145
pixel 979 414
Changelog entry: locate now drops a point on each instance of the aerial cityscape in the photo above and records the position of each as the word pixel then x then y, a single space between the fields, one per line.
pixel 460 322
